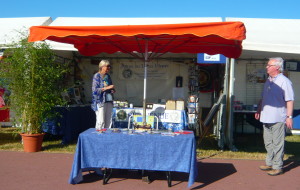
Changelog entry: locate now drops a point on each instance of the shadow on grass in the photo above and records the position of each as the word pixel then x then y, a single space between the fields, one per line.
pixel 249 143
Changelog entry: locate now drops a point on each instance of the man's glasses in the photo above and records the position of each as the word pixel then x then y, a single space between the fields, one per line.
pixel 270 65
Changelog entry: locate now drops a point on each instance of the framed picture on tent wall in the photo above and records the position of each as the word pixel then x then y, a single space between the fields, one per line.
pixel 206 78
pixel 292 66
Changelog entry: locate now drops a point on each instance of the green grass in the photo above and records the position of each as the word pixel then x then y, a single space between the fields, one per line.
pixel 249 146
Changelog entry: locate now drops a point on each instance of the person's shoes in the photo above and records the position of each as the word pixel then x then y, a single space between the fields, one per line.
pixel 275 172
pixel 265 168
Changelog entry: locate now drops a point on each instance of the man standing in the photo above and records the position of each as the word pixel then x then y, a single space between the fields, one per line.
pixel 275 111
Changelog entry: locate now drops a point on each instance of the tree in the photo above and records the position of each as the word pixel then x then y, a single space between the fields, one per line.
pixel 35 80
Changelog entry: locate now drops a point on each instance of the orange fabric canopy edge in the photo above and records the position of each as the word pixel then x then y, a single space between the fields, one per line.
pixel 227 30
pixel 226 37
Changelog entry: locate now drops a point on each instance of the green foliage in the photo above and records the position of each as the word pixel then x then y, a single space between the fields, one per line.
pixel 35 80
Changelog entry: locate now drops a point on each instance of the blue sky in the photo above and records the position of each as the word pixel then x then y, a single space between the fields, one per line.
pixel 280 9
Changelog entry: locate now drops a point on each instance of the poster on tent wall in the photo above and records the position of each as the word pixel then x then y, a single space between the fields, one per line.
pixel 135 70
pixel 292 66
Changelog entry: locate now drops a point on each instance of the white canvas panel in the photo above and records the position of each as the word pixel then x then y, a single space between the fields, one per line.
pixel 271 35
pixel 11 27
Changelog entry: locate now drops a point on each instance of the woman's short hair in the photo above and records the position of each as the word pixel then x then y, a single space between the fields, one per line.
pixel 103 63
pixel 278 61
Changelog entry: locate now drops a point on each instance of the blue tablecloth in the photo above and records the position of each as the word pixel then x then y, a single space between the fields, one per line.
pixel 177 121
pixel 142 152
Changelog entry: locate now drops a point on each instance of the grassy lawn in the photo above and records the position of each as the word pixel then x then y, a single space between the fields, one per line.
pixel 250 146
pixel 11 140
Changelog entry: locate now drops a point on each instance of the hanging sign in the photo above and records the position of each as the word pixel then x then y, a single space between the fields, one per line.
pixel 211 59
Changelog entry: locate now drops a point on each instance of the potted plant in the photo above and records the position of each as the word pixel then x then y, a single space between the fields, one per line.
pixel 35 80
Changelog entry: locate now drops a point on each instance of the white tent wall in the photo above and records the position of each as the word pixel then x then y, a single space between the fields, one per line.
pixel 249 91
pixel 240 81
pixel 131 89
pixel 271 35
pixel 160 87
pixel 11 27
pixel 265 38
pixel 269 38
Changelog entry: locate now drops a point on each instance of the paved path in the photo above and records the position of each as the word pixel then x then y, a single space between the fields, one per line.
pixel 50 171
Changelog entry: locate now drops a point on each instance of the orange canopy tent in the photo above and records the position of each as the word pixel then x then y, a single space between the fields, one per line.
pixel 212 38
pixel 149 40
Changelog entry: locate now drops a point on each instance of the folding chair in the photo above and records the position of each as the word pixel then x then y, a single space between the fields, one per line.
pixel 205 125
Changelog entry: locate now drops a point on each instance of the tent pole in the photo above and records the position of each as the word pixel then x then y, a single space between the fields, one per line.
pixel 229 90
pixel 225 107
pixel 145 82
pixel 230 106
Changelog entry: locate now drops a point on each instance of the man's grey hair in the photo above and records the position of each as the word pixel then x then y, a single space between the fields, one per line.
pixel 278 61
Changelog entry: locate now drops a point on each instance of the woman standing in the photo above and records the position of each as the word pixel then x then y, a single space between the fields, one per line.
pixel 102 102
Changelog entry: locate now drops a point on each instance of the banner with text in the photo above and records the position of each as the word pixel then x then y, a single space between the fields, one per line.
pixel 136 70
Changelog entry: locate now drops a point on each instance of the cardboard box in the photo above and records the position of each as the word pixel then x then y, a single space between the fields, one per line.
pixel 180 105
pixel 171 105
